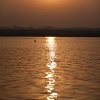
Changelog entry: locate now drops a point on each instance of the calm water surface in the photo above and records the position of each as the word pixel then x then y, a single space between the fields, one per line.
pixel 49 69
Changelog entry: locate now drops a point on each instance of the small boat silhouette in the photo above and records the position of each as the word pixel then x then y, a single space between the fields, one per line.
pixel 34 40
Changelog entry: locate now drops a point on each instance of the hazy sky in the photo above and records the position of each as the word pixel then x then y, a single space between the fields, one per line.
pixel 57 13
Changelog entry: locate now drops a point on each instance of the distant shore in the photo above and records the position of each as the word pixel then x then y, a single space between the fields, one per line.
pixel 51 32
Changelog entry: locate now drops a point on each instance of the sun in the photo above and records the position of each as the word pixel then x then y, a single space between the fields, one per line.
pixel 51 2
pixel 50 5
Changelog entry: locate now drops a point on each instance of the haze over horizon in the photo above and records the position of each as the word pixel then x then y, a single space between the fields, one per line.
pixel 55 13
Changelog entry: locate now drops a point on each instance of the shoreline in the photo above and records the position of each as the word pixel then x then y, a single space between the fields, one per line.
pixel 56 33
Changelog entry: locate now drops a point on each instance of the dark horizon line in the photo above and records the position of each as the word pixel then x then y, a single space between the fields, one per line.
pixel 53 32
pixel 44 28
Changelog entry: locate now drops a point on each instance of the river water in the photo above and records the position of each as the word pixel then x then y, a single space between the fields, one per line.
pixel 52 68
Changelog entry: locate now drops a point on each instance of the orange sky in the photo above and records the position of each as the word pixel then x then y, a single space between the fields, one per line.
pixel 57 13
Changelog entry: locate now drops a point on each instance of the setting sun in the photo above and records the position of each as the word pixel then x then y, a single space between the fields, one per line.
pixel 51 2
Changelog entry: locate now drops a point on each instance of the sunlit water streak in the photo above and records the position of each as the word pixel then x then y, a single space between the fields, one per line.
pixel 69 66
pixel 50 75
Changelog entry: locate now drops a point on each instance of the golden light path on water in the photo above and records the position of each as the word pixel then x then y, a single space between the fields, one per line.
pixel 50 75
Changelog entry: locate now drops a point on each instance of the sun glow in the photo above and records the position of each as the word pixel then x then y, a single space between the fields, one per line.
pixel 51 2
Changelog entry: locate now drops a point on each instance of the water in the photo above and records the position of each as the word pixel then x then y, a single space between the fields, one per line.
pixel 50 68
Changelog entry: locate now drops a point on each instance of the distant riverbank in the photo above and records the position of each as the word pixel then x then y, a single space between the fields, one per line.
pixel 57 33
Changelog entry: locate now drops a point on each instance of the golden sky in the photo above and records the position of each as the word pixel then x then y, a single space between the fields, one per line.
pixel 57 13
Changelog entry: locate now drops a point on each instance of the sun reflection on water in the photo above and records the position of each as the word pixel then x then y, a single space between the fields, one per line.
pixel 50 75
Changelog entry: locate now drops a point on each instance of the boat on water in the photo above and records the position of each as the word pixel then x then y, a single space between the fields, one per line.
pixel 34 40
